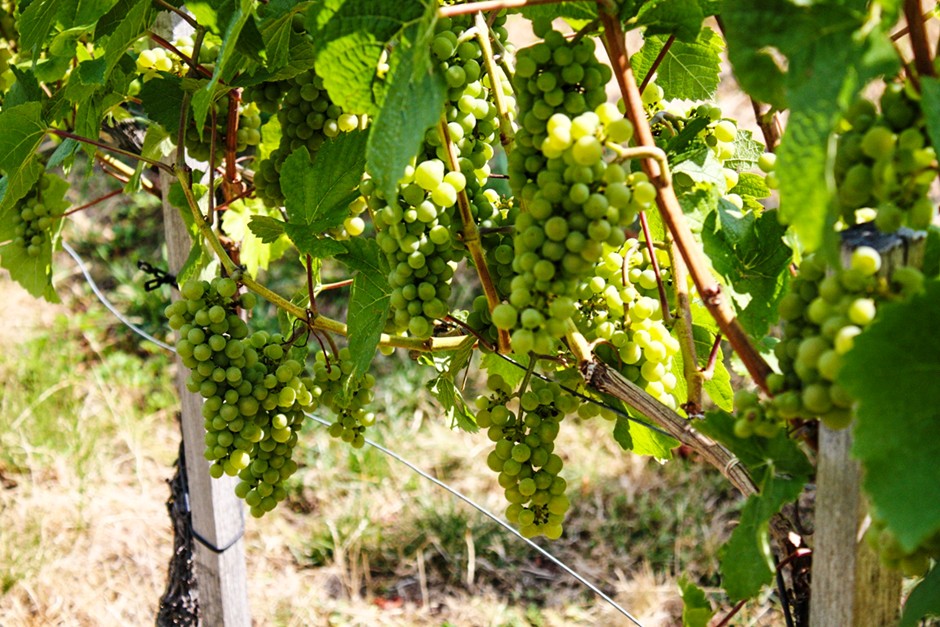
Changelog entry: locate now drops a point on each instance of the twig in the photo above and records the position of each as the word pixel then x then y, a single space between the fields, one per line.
pixel 769 124
pixel 663 300
pixel 114 149
pixel 905 29
pixel 709 368
pixel 335 286
pixel 312 305
pixel 918 35
pixel 734 610
pixel 94 202
pixel 656 63
pixel 671 211
pixel 471 236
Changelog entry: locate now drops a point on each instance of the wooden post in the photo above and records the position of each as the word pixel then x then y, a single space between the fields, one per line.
pixel 217 514
pixel 851 587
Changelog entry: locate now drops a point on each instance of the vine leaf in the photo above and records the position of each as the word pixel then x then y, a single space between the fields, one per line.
pixel 689 70
pixel 832 50
pixel 276 30
pixel 632 436
pixel 444 386
pixel 255 252
pixel 202 99
pixel 696 610
pixel 414 102
pixel 369 302
pixel 352 36
pixel 747 250
pixel 680 17
pixel 21 131
pixel 36 23
pixel 898 414
pixel 318 190
pixel 162 99
pixel 129 27
pixel 780 470
pixel 924 600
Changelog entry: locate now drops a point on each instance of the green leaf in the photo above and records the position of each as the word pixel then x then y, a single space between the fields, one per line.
pixel 368 302
pixel 924 600
pixel 414 102
pixel 255 253
pixel 156 145
pixel 202 99
pixel 131 27
pixel 689 70
pixel 25 89
pixel 747 151
pixel 351 37
pixel 571 11
pixel 683 18
pixel 266 228
pixel 511 373
pixel 931 267
pixel 898 414
pixel 21 131
pixel 162 99
pixel 34 274
pixel 452 401
pixel 35 24
pixel 309 242
pixel 317 194
pixel 632 436
pixel 749 253
pixel 832 50
pixel 751 185
pixel 276 30
pixel 696 610
pixel 930 105
pixel 746 561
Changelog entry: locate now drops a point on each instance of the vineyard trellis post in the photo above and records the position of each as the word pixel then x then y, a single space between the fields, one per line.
pixel 217 514
pixel 851 585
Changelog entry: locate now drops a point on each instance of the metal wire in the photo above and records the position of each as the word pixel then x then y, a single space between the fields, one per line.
pixel 108 305
pixel 453 491
pixel 505 525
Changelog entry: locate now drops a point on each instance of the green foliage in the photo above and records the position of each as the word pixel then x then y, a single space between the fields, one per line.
pixel 898 414
pixel 924 600
pixel 689 70
pixel 368 303
pixel 696 610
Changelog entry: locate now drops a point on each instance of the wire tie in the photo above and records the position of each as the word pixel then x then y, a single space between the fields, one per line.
pixel 161 277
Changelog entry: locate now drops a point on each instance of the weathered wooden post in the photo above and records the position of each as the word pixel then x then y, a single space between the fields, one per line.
pixel 851 587
pixel 218 519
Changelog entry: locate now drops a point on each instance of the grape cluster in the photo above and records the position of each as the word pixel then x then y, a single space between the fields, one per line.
pixel 418 231
pixel 254 395
pixel 912 563
pixel 620 307
pixel 33 220
pixel 523 453
pixel 347 401
pixel 308 118
pixel 823 313
pixel 885 161
pixel 754 417
pixel 580 203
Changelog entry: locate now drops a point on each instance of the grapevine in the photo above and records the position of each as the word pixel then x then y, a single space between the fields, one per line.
pixel 479 197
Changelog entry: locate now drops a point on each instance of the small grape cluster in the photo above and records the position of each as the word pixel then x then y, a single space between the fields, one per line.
pixel 254 395
pixel 754 417
pixel 347 402
pixel 823 313
pixel 620 308
pixel 523 453
pixel 308 117
pixel 33 219
pixel 885 161
pixel 581 203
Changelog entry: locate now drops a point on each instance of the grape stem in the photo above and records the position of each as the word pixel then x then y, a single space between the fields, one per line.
pixel 918 36
pixel 489 5
pixel 644 152
pixel 470 235
pixel 187 96
pixel 606 380
pixel 669 207
pixel 94 202
pixel 506 131
pixel 663 300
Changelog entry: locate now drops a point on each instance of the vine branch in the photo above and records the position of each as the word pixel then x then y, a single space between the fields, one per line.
pixel 672 214
pixel 491 5
pixel 923 60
